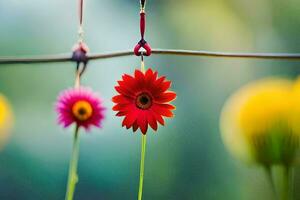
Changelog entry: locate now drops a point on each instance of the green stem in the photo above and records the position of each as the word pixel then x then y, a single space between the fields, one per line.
pixel 292 186
pixel 271 180
pixel 287 184
pixel 73 177
pixel 142 167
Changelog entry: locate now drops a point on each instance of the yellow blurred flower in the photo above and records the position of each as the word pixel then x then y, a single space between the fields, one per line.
pixel 261 122
pixel 6 120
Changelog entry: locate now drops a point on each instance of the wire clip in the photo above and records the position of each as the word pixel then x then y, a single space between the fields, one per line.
pixel 142 43
pixel 80 56
pixel 79 53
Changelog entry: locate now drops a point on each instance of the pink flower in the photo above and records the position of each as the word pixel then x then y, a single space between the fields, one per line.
pixel 81 106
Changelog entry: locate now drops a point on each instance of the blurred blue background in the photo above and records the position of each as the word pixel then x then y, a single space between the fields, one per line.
pixel 185 159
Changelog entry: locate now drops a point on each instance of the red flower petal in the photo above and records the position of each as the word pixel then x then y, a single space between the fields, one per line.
pixel 159 118
pixel 118 107
pixel 155 74
pixel 121 99
pixel 130 82
pixel 166 97
pixel 149 78
pixel 128 79
pixel 167 106
pixel 142 122
pixel 123 107
pixel 159 81
pixel 120 113
pixel 152 121
pixel 135 126
pixel 124 85
pixel 129 119
pixel 165 86
pixel 124 91
pixel 139 76
pixel 149 73
pixel 162 111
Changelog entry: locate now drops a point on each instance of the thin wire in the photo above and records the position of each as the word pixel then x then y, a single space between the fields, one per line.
pixel 81 66
pixel 80 12
pixel 67 57
pixel 80 31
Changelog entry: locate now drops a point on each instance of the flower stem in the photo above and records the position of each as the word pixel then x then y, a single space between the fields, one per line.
pixel 73 177
pixel 292 186
pixel 287 184
pixel 143 66
pixel 268 172
pixel 142 167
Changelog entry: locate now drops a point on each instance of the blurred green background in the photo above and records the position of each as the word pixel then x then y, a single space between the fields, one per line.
pixel 186 159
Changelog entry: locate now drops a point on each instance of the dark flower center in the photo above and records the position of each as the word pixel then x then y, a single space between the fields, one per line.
pixel 82 111
pixel 143 101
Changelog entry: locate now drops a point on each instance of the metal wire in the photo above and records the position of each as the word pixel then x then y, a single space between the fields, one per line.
pixel 67 57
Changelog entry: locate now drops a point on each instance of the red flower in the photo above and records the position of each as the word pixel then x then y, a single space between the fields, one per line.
pixel 143 99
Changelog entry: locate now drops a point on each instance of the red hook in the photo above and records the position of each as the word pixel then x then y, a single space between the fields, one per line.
pixel 142 43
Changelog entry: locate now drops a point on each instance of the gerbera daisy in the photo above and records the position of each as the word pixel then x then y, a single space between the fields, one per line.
pixel 80 106
pixel 144 100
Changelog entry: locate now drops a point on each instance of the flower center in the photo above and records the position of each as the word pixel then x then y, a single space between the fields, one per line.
pixel 82 110
pixel 143 101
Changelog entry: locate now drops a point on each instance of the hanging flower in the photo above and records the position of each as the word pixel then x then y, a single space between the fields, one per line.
pixel 80 106
pixel 6 120
pixel 144 100
pixel 258 122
